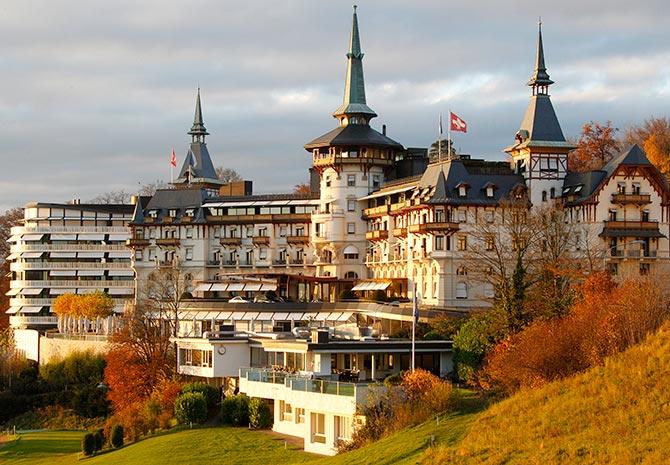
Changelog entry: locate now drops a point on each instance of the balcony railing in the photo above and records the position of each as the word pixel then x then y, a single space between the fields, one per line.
pixel 427 228
pixel 70 229
pixel 637 199
pixel 168 242
pixel 261 240
pixel 70 283
pixel 297 239
pixel 19 301
pixel 22 321
pixel 298 383
pixel 136 242
pixel 71 265
pixel 68 247
pixel 631 224
pixel 396 207
pixel 400 232
pixel 230 240
pixel 377 235
pixel 376 211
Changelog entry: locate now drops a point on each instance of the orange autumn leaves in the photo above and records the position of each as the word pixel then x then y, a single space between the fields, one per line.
pixel 97 304
pixel 607 319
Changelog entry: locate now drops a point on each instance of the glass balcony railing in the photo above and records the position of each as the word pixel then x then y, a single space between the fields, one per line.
pixel 299 383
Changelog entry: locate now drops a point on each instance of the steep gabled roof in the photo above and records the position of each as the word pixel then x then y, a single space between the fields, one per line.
pixel 198 164
pixel 353 135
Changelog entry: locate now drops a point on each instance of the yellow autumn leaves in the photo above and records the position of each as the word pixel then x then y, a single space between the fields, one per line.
pixel 97 304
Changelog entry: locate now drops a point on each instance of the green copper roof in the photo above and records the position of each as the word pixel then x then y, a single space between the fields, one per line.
pixel 540 77
pixel 354 87
pixel 198 127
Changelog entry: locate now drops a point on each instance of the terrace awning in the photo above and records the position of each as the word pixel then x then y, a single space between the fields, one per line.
pixel 120 291
pixel 91 272
pixel 63 273
pixel 119 254
pixel 91 237
pixel 371 286
pixel 63 237
pixel 90 254
pixel 13 292
pixel 31 254
pixel 30 310
pixel 219 287
pixel 31 237
pixel 31 291
pixel 121 273
pixel 63 254
pixel 56 291
pixel 202 287
pixel 119 237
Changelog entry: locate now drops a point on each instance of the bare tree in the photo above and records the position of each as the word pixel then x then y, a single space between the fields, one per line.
pixel 227 174
pixel 111 197
pixel 150 189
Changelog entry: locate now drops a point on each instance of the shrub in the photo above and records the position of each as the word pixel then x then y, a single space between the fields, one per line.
pixel 116 436
pixel 191 407
pixel 260 416
pixel 99 440
pixel 235 410
pixel 347 294
pixel 471 343
pixel 212 395
pixel 88 444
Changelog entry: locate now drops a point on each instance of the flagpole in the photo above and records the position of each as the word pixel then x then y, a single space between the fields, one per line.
pixel 439 140
pixel 415 313
pixel 449 136
pixel 171 168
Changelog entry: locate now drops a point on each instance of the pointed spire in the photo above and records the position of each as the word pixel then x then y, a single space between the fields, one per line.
pixel 354 103
pixel 540 78
pixel 198 130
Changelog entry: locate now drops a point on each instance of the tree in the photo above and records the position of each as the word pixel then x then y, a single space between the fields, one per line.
pixel 116 436
pixel 190 407
pixel 302 189
pixel 440 150
pixel 654 136
pixel 150 188
pixel 111 197
pixel 88 444
pixel 596 146
pixel 227 174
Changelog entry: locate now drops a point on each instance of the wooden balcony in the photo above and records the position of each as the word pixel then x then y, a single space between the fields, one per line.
pixel 377 235
pixel 256 219
pixel 329 159
pixel 400 232
pixel 230 240
pixel 168 242
pixel 431 228
pixel 136 243
pixel 639 225
pixel 375 212
pixel 631 199
pixel 261 240
pixel 397 207
pixel 297 239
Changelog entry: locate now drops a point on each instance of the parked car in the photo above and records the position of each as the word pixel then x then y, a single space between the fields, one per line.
pixel 261 299
pixel 238 299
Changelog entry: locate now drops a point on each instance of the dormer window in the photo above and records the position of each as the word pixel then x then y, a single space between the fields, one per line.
pixel 172 213
pixel 462 189
pixel 578 189
pixel 153 213
pixel 566 190
pixel 190 212
pixel 489 192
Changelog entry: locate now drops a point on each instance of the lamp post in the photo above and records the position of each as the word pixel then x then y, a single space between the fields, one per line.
pixel 636 241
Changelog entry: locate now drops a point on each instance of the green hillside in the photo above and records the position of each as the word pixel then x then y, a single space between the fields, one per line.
pixel 615 414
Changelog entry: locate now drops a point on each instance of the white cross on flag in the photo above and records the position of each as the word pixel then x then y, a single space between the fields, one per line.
pixel 457 124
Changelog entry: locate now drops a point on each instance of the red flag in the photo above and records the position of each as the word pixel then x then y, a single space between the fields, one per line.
pixel 457 124
pixel 173 159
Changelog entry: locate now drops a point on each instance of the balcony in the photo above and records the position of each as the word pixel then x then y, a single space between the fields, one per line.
pixel 631 224
pixel 297 239
pixel 71 229
pixel 434 227
pixel 376 212
pixel 259 219
pixel 73 283
pixel 68 248
pixel 41 302
pixel 397 207
pixel 168 242
pixel 330 159
pixel 261 240
pixel 20 321
pixel 400 232
pixel 631 229
pixel 377 235
pixel 135 242
pixel 634 199
pixel 230 241
pixel 76 265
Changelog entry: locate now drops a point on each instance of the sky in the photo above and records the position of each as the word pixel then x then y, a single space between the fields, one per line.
pixel 95 94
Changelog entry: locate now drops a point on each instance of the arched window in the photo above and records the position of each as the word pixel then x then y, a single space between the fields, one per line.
pixel 461 290
pixel 350 253
pixel 351 275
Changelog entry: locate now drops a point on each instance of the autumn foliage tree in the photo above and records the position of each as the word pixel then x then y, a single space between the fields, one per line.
pixel 93 305
pixel 654 136
pixel 606 319
pixel 596 145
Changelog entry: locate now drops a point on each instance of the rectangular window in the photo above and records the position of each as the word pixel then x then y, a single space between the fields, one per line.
pixel 462 242
pixel 282 231
pixel 342 428
pixel 285 411
pixel 376 181
pixel 462 216
pixel 490 243
pixel 173 213
pixel 299 415
pixel 138 255
pixel 189 233
pixel 489 216
pixel 439 242
pixel 351 228
pixel 327 181
pixel 262 253
pixel 318 427
pixel 351 205
pixel 351 180
pixel 207 358
pixel 189 253
pixel 152 254
pixel 439 215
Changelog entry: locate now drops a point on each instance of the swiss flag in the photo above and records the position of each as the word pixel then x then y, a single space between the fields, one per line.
pixel 173 159
pixel 457 124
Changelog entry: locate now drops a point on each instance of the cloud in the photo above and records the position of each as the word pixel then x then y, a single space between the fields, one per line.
pixel 96 94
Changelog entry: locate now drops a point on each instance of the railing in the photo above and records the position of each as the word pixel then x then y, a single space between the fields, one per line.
pixel 73 265
pixel 432 227
pixel 376 211
pixel 78 337
pixel 73 283
pixel 71 229
pixel 168 241
pixel 19 320
pixel 297 239
pixel 230 240
pixel 69 247
pixel 261 240
pixel 18 301
pixel 638 199
pixel 377 235
pixel 400 232
pixel 298 383
pixel 631 224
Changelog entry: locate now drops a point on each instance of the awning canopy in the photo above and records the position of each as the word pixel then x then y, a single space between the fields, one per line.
pixel 218 287
pixel 121 273
pixel 86 291
pixel 57 291
pixel 63 273
pixel 63 237
pixel 12 310
pixel 119 254
pixel 615 232
pixel 31 254
pixel 13 292
pixel 203 287
pixel 30 310
pixel 11 257
pixel 90 254
pixel 91 237
pixel 31 237
pixel 91 272
pixel 371 286
pixel 31 291
pixel 63 254
pixel 119 237
pixel 120 291
pixel 235 286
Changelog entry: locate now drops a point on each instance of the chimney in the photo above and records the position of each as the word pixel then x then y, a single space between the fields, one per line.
pixel 383 129
pixel 133 200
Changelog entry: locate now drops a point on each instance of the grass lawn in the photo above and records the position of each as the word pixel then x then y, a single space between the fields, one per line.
pixel 49 447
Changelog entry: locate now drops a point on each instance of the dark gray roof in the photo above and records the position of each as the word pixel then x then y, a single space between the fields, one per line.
pixel 633 156
pixel 616 232
pixel 353 135
pixel 176 198
pixel 442 178
pixel 99 207
pixel 263 197
pixel 540 77
pixel 540 120
pixel 198 127
pixel 198 163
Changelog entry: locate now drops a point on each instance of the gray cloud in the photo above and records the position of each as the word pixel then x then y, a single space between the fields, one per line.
pixel 95 94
